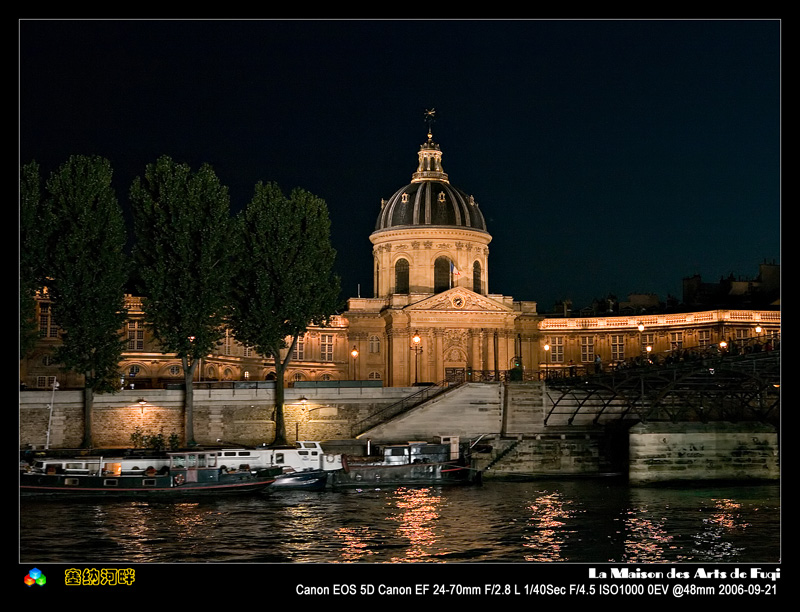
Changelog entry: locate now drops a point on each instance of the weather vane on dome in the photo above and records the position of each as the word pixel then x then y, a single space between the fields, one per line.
pixel 429 119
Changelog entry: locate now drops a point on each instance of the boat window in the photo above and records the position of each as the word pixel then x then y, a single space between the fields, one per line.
pixel 110 482
pixel 302 452
pixel 148 482
pixel 179 461
pixel 229 454
pixel 71 481
pixel 278 457
pixel 191 461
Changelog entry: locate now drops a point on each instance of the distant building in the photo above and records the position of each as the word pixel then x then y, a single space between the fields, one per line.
pixel 432 317
pixel 760 292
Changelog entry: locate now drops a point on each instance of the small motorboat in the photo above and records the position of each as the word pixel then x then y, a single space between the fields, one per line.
pixel 308 480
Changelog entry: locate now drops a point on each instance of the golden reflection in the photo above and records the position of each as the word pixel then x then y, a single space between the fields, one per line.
pixel 727 516
pixel 418 511
pixel 355 546
pixel 306 524
pixel 711 540
pixel 645 537
pixel 546 539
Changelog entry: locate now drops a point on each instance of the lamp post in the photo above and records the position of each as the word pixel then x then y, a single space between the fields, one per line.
pixel 640 327
pixel 354 353
pixel 417 348
pixel 546 361
pixel 303 415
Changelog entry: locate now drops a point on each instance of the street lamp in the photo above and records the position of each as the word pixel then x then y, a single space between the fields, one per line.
pixel 640 327
pixel 417 348
pixel 354 353
pixel 546 361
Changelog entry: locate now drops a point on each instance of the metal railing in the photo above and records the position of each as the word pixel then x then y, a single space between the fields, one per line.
pixel 405 404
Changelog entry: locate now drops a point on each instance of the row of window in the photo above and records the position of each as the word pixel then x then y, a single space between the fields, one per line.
pixel 443 272
pixel 617 343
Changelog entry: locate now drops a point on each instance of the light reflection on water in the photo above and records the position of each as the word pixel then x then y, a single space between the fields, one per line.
pixel 585 521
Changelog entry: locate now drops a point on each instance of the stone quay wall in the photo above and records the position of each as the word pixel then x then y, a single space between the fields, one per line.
pixel 664 452
pixel 233 416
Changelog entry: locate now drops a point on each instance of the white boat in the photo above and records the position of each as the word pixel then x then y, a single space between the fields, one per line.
pixel 305 455
pixel 306 465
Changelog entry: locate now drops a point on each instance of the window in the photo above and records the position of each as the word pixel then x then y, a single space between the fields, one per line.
pixel 175 370
pixel 374 344
pixel 135 335
pixel 47 328
pixel 556 349
pixel 298 354
pixel 401 276
pixel 676 340
pixel 227 343
pixel 374 376
pixel 704 337
pixel 442 275
pixel 617 347
pixel 45 382
pixel 326 347
pixel 476 277
pixel 648 340
pixel 587 349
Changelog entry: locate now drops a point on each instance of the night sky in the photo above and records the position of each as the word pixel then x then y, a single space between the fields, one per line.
pixel 608 157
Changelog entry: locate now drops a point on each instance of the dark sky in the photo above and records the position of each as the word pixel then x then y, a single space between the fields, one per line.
pixel 607 156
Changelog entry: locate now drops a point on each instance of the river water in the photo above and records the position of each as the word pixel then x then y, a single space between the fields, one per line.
pixel 588 521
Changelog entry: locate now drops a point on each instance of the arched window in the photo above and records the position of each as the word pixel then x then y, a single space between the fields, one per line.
pixel 442 275
pixel 401 276
pixel 374 344
pixel 476 277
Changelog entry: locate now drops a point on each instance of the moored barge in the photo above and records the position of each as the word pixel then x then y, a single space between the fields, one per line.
pixel 177 476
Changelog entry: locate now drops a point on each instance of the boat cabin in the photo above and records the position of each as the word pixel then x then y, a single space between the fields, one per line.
pixel 305 455
pixel 415 452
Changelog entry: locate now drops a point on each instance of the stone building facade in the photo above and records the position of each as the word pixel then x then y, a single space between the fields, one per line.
pixel 432 317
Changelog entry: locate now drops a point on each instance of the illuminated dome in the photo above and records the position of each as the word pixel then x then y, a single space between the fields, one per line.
pixel 430 199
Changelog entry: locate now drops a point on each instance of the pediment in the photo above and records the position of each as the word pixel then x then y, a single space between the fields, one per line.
pixel 459 299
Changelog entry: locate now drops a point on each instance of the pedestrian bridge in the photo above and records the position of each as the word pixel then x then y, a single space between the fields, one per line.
pixel 722 388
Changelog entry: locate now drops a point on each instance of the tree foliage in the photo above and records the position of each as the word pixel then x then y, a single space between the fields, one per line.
pixel 283 280
pixel 87 271
pixel 182 221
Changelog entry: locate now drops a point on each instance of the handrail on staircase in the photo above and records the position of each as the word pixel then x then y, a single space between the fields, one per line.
pixel 405 404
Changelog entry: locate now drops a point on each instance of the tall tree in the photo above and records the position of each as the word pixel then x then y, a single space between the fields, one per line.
pixel 283 280
pixel 87 271
pixel 182 221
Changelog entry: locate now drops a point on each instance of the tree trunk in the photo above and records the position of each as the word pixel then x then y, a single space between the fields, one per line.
pixel 188 400
pixel 280 423
pixel 280 373
pixel 88 407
